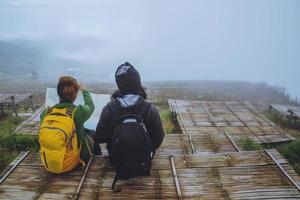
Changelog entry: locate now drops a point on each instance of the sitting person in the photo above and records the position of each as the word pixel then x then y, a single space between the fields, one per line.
pixel 61 131
pixel 130 126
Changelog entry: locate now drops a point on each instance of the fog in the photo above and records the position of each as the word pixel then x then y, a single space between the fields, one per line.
pixel 249 40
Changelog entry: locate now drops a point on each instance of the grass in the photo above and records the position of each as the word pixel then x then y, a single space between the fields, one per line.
pixel 293 132
pixel 291 152
pixel 276 118
pixel 283 122
pixel 11 145
pixel 248 144
pixel 167 121
pixel 6 158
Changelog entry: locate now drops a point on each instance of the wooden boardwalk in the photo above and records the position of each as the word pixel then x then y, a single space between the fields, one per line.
pixel 225 119
pixel 236 175
pixel 13 100
pixel 31 125
pixel 291 112
pixel 205 162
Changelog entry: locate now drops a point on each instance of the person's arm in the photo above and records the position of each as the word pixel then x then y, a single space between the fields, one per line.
pixel 103 130
pixel 155 128
pixel 84 112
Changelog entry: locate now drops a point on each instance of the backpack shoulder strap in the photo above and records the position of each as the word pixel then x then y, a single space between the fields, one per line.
pixel 113 186
pixel 114 109
pixel 143 110
pixel 48 110
pixel 71 110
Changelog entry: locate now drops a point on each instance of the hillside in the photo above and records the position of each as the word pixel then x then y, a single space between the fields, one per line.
pixel 17 61
pixel 261 93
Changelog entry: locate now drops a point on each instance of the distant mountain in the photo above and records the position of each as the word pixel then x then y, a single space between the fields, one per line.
pixel 18 60
pixel 25 61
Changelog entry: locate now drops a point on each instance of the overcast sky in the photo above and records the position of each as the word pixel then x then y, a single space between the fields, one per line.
pixel 251 40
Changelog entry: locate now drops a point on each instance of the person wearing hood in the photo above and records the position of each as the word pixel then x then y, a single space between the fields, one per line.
pixel 130 98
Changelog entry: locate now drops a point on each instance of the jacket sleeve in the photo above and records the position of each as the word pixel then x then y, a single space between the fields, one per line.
pixel 155 128
pixel 84 112
pixel 104 129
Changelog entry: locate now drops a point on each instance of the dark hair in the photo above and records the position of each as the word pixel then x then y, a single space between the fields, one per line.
pixel 118 93
pixel 67 89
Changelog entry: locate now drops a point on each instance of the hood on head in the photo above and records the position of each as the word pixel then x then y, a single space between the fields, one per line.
pixel 128 79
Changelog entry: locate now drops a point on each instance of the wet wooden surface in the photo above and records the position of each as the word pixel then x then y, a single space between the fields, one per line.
pixel 19 98
pixel 235 175
pixel 31 125
pixel 204 143
pixel 4 97
pixel 286 110
pixel 215 171
pixel 237 119
pixel 297 111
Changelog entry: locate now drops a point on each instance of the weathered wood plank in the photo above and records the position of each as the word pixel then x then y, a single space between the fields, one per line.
pixel 30 125
pixel 235 175
pixel 233 117
pixel 4 97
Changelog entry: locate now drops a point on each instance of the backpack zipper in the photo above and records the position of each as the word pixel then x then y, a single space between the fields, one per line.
pixel 44 154
pixel 69 144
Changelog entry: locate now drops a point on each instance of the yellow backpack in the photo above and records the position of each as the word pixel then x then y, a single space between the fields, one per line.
pixel 58 140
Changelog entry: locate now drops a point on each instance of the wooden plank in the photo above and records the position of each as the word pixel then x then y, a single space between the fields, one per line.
pixel 19 98
pixel 211 117
pixel 232 141
pixel 31 121
pixel 256 182
pixel 160 162
pixel 174 171
pixel 222 116
pixel 271 124
pixel 190 136
pixel 195 117
pixel 283 170
pixel 173 144
pixel 213 142
pixel 245 124
pixel 11 168
pixel 282 109
pixel 4 97
pixel 235 175
pixel 203 142
pixel 296 111
pixel 77 194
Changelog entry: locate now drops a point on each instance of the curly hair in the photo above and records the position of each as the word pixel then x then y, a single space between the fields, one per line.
pixel 67 89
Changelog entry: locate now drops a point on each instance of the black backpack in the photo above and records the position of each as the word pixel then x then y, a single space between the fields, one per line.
pixel 130 149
